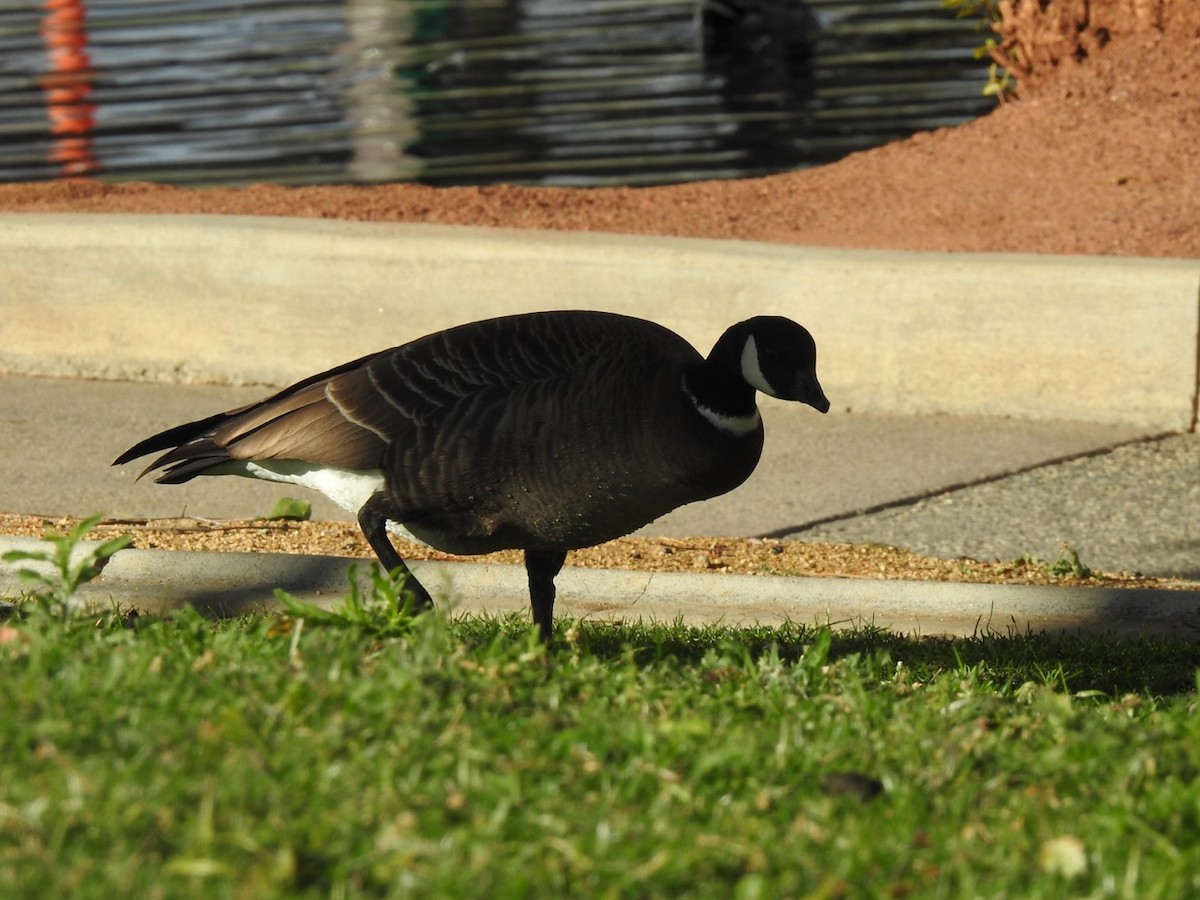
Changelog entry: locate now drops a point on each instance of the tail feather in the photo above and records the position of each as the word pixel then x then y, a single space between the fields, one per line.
pixel 173 439
pixel 302 423
pixel 187 465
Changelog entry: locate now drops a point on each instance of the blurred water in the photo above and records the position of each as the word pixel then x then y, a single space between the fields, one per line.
pixel 469 91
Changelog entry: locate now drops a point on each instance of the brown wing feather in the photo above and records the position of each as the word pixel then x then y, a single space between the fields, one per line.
pixel 309 425
pixel 405 397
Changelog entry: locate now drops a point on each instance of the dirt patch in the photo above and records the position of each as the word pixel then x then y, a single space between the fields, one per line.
pixel 718 555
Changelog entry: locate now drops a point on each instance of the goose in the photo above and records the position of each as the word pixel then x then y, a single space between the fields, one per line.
pixel 544 432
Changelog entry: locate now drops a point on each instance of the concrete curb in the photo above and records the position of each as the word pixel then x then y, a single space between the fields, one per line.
pixel 238 583
pixel 255 300
pixel 262 300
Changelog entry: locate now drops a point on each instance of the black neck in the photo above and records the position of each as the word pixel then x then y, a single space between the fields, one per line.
pixel 718 384
pixel 722 395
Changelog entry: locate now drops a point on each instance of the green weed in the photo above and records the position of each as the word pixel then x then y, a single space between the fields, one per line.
pixel 385 610
pixel 64 569
pixel 291 510
pixel 1000 84
pixel 1068 564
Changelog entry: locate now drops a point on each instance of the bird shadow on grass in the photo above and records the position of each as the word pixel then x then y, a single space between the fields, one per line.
pixel 1113 666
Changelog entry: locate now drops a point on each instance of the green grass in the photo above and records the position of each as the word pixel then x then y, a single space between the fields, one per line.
pixel 277 756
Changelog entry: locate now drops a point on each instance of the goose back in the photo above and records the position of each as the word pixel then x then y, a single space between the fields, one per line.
pixel 552 430
pixel 595 442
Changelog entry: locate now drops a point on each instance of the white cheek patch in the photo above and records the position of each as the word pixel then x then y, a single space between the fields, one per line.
pixel 751 370
pixel 348 488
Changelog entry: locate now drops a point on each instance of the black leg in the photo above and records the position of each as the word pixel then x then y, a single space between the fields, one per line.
pixel 541 566
pixel 373 519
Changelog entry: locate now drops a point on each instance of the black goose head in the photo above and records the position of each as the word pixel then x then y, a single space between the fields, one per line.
pixel 769 354
pixel 779 358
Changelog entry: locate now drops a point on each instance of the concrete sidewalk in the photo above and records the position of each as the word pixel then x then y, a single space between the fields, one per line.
pixel 1072 382
pixel 990 488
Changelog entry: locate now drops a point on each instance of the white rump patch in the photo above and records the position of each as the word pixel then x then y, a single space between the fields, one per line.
pixel 348 488
pixel 735 425
pixel 752 371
